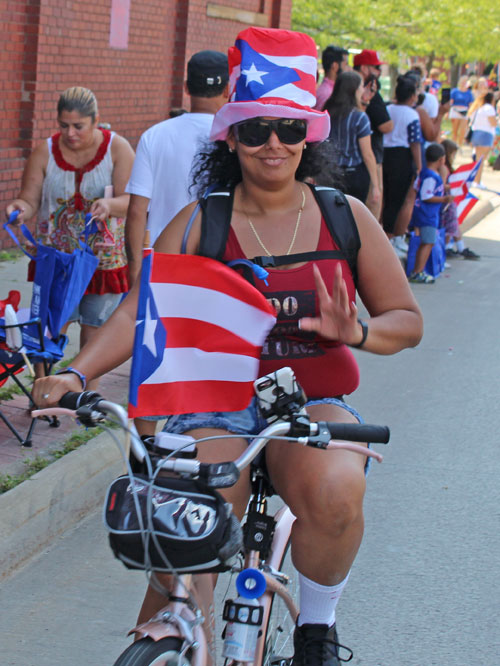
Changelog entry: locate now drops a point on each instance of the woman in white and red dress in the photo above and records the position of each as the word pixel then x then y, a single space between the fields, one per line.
pixel 81 169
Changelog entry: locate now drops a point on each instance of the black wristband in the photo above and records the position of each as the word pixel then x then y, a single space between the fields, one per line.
pixel 364 327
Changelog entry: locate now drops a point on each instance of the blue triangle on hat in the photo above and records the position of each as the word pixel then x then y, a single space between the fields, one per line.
pixel 258 75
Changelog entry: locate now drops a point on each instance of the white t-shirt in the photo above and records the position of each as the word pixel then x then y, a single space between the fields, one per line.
pixel 480 119
pixel 431 105
pixel 162 166
pixel 406 128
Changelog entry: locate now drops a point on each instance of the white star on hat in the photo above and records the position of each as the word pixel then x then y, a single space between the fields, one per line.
pixel 253 74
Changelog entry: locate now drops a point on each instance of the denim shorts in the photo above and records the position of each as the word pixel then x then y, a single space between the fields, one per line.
pixel 245 422
pixel 482 138
pixel 428 235
pixel 95 309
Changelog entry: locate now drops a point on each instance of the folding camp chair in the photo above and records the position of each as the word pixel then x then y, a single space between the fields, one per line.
pixel 22 344
pixel 59 282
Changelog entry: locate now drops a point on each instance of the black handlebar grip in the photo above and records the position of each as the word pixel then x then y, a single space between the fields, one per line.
pixel 73 400
pixel 359 432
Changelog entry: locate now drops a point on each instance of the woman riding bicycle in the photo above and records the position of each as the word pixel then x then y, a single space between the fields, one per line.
pixel 265 148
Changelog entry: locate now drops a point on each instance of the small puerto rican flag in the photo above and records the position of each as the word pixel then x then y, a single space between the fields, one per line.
pixel 463 176
pixel 465 204
pixel 199 333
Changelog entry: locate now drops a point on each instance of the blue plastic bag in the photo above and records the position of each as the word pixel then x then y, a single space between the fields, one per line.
pixel 436 261
pixel 60 280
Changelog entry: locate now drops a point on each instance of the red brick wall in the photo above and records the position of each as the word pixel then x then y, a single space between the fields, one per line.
pixel 49 45
pixel 18 61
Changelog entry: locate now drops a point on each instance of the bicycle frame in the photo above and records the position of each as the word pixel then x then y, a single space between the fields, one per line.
pixel 181 618
pixel 177 619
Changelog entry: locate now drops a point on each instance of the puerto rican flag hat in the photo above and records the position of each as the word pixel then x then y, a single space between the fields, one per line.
pixel 272 73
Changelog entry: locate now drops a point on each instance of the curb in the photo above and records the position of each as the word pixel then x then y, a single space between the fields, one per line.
pixel 483 208
pixel 35 512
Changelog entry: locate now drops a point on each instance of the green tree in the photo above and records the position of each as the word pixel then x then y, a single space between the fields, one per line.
pixel 461 31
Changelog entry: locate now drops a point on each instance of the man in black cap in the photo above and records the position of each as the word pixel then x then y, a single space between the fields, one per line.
pixel 368 64
pixel 160 178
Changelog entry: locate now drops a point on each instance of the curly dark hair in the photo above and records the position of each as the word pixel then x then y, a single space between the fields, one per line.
pixel 216 166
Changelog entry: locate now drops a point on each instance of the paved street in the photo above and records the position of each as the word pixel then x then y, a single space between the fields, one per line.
pixel 424 589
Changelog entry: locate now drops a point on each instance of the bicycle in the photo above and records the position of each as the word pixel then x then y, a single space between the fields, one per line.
pixel 182 633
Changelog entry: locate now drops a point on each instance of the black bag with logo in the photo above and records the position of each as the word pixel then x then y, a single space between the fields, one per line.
pixel 185 526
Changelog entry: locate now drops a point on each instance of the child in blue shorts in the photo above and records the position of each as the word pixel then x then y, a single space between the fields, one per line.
pixel 427 210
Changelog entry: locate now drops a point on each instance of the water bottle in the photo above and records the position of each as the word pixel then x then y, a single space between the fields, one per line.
pixel 244 617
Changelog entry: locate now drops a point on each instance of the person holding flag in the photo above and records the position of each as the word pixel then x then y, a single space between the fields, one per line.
pixel 267 145
pixel 451 216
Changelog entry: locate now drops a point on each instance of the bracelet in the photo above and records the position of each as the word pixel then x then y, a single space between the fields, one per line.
pixel 76 372
pixel 364 327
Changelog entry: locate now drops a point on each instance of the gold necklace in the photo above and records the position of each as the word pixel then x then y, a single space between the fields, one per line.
pixel 292 242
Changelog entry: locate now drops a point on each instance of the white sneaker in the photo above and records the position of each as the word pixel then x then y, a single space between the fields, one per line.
pixel 399 252
pixel 400 243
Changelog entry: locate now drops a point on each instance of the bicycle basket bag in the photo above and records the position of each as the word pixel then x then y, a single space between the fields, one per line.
pixel 192 525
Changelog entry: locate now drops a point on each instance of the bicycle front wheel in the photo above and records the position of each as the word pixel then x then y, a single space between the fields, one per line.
pixel 146 652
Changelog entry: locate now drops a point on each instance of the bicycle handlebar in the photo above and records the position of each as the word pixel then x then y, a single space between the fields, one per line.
pixel 359 432
pixel 90 407
pixel 74 400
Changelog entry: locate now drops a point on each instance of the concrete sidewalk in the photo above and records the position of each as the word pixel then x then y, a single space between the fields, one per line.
pixel 34 512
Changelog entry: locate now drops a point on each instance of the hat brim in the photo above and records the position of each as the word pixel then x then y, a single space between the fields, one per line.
pixel 318 122
pixel 372 64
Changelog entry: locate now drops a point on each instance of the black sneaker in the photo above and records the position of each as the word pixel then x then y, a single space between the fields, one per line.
pixel 469 254
pixel 317 645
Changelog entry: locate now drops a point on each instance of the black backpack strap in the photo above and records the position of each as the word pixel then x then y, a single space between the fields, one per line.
pixel 216 212
pixel 340 221
pixel 299 257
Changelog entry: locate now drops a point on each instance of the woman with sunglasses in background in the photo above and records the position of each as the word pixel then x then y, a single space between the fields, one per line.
pixel 266 146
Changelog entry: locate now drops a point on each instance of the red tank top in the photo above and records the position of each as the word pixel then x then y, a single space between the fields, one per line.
pixel 324 368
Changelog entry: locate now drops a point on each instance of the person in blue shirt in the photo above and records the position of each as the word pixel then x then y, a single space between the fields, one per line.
pixel 427 212
pixel 461 98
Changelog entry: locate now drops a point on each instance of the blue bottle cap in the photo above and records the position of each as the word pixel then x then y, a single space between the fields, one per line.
pixel 251 584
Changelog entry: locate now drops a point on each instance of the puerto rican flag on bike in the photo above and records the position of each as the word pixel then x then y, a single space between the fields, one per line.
pixel 199 333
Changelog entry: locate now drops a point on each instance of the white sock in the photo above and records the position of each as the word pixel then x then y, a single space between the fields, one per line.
pixel 450 245
pixel 460 246
pixel 318 602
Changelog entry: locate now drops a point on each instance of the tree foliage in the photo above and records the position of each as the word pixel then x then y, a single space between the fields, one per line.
pixel 463 30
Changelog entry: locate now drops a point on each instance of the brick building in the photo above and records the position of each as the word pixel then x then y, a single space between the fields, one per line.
pixel 131 53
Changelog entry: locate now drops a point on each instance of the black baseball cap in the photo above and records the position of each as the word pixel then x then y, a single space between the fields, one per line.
pixel 208 68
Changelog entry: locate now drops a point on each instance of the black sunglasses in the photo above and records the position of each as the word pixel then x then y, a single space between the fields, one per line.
pixel 256 132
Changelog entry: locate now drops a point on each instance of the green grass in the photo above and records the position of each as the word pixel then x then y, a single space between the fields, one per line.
pixel 8 392
pixel 10 254
pixel 36 464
